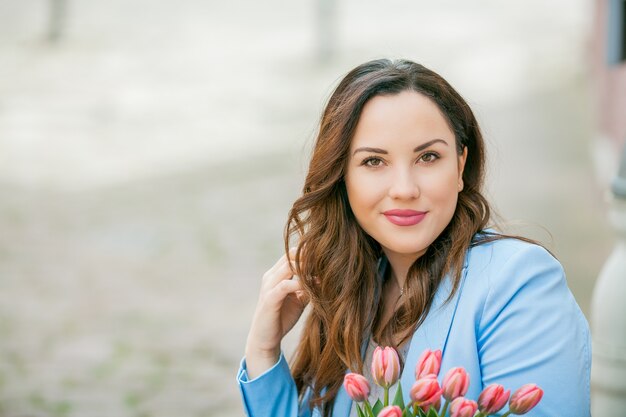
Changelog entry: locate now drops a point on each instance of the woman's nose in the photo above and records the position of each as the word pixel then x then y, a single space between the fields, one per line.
pixel 403 185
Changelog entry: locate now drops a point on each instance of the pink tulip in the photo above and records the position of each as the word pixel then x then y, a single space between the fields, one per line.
pixel 436 405
pixel 455 383
pixel 462 407
pixel 426 391
pixel 385 366
pixel 356 386
pixel 428 363
pixel 390 411
pixel 492 399
pixel 525 398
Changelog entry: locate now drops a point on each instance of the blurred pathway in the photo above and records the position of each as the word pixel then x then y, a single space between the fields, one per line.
pixel 147 165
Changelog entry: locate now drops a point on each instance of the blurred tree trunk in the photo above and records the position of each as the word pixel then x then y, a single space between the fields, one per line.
pixel 56 20
pixel 326 14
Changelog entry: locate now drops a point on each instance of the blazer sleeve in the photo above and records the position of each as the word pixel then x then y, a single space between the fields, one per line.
pixel 272 393
pixel 532 331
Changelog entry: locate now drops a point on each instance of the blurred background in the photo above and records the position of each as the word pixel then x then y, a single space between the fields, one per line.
pixel 150 152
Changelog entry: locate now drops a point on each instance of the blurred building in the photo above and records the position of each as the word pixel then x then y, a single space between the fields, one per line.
pixel 609 67
pixel 607 312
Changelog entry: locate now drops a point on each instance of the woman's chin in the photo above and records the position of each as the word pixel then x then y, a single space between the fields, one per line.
pixel 408 250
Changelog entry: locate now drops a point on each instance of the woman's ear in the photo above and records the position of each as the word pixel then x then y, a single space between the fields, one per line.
pixel 462 159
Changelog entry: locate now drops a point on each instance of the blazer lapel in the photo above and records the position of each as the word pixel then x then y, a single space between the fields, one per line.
pixel 432 334
pixel 434 331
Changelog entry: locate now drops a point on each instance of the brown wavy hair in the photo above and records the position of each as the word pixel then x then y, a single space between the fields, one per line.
pixel 338 262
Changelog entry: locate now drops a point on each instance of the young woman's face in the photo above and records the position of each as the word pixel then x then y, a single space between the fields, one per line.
pixel 404 174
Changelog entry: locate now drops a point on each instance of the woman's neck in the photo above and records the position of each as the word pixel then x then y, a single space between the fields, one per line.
pixel 400 265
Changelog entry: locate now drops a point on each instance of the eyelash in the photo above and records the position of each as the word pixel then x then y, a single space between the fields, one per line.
pixel 366 161
pixel 434 154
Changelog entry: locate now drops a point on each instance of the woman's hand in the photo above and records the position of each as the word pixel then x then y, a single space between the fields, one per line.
pixel 281 303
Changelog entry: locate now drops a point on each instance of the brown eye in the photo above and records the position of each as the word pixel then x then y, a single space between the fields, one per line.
pixel 372 162
pixel 429 157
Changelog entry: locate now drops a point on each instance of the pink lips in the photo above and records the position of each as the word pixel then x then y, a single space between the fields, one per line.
pixel 404 217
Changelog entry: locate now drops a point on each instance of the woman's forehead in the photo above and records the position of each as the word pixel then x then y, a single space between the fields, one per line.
pixel 407 116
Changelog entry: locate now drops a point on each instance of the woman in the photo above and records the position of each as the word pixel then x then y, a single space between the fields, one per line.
pixel 393 251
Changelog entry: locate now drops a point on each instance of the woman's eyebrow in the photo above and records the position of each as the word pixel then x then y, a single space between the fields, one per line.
pixel 367 149
pixel 427 144
pixel 382 151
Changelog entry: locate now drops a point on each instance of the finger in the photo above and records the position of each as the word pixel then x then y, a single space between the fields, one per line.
pixel 283 269
pixel 278 263
pixel 284 272
pixel 277 294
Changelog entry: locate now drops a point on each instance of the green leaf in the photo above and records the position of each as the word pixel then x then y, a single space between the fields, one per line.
pixel 359 411
pixel 377 407
pixel 420 412
pixel 368 409
pixel 432 412
pixel 398 399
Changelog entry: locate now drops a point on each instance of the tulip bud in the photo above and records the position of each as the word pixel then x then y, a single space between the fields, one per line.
pixel 356 386
pixel 385 366
pixel 492 399
pixel 462 407
pixel 525 398
pixel 428 363
pixel 426 391
pixel 436 405
pixel 390 411
pixel 455 383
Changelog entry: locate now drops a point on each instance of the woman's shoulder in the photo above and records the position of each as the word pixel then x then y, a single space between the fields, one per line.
pixel 510 263
pixel 491 250
pixel 508 269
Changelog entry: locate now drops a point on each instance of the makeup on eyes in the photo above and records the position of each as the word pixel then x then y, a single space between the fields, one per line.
pixel 434 157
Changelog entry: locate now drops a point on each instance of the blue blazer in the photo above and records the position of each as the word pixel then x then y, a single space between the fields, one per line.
pixel 513 321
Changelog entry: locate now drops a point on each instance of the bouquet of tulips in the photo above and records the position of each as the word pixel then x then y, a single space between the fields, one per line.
pixel 426 393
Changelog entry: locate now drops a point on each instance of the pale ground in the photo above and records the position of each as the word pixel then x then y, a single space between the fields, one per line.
pixel 148 161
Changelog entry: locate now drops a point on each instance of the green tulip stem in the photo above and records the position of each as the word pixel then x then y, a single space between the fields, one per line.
pixel 386 402
pixel 445 408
